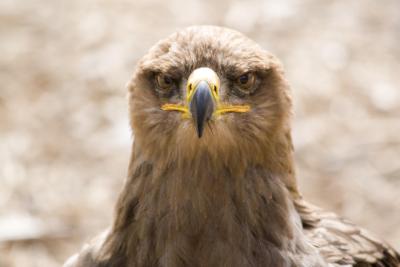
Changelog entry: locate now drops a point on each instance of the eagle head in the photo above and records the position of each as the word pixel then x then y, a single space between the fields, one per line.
pixel 210 92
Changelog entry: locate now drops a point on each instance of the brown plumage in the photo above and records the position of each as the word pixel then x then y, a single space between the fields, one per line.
pixel 211 179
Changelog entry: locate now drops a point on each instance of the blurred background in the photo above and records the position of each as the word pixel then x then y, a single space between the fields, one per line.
pixel 64 135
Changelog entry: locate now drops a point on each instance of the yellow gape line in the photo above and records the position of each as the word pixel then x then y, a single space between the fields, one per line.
pixel 177 107
pixel 220 110
pixel 230 108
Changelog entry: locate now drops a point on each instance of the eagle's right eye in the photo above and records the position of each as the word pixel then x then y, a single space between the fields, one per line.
pixel 164 82
pixel 165 85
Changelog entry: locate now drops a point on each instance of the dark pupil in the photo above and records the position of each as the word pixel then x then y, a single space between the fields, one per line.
pixel 244 79
pixel 167 80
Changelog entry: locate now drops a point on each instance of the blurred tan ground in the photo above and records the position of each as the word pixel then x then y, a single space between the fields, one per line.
pixel 64 136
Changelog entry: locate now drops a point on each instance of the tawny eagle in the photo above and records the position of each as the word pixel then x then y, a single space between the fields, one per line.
pixel 211 180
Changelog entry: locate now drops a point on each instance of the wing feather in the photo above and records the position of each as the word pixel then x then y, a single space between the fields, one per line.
pixel 341 242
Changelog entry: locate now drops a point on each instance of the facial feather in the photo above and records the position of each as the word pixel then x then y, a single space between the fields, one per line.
pixel 234 138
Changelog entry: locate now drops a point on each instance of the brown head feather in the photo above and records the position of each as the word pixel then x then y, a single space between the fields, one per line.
pixel 259 137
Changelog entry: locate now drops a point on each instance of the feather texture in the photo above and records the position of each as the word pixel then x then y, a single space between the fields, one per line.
pixel 229 198
pixel 342 242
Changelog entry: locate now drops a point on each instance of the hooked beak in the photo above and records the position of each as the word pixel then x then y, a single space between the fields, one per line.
pixel 201 106
pixel 203 100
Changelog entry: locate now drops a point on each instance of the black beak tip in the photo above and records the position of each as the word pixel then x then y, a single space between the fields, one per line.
pixel 199 130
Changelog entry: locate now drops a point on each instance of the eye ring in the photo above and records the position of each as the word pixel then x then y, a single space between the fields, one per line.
pixel 246 82
pixel 164 82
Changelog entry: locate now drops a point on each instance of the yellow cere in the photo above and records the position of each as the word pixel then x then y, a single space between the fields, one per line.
pixel 208 75
pixel 203 74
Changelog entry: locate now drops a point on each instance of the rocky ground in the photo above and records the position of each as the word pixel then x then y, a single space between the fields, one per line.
pixel 64 135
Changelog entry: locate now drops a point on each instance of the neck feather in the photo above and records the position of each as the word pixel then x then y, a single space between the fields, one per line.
pixel 200 215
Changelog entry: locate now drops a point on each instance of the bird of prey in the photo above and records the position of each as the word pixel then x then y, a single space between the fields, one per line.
pixel 211 180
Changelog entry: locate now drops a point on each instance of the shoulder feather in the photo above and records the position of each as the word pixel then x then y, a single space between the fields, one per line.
pixel 341 242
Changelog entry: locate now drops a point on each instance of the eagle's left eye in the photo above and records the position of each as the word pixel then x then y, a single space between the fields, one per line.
pixel 246 82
